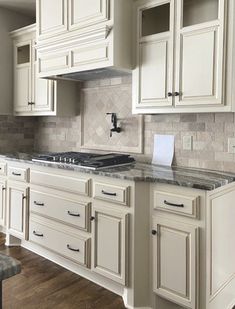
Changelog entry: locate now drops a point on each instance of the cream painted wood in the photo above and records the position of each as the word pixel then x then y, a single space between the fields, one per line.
pixel 17 210
pixel 198 69
pixel 2 202
pixel 3 168
pixel 175 251
pixel 200 61
pixel 70 245
pixel 154 59
pixel 67 211
pixel 51 24
pixel 90 54
pixel 22 80
pixel 99 36
pixel 185 205
pixel 110 243
pixel 18 174
pixel 115 194
pixel 87 13
pixel 74 184
pixel 220 249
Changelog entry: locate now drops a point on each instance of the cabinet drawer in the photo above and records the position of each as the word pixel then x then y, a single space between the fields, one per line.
pixel 89 55
pixel 19 174
pixel 69 246
pixel 53 62
pixel 176 203
pixel 67 211
pixel 65 183
pixel 3 168
pixel 111 193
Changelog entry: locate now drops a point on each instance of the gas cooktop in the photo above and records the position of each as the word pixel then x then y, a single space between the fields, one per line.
pixel 86 160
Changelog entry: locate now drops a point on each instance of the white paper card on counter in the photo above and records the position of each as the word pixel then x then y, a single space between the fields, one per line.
pixel 164 146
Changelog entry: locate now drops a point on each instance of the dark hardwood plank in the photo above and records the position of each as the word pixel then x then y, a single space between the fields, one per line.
pixel 44 285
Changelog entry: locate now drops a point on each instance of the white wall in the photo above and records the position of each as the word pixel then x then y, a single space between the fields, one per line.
pixel 9 21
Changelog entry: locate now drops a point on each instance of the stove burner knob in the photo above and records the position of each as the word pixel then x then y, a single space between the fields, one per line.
pixel 54 158
pixel 60 159
pixel 65 160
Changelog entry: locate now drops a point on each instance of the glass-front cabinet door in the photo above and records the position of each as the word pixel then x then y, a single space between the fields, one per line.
pixel 199 52
pixel 155 22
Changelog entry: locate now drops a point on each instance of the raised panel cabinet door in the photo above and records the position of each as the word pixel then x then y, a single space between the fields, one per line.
pixel 153 76
pixel 84 13
pixel 109 243
pixel 174 261
pixel 17 217
pixel 51 18
pixel 200 57
pixel 2 202
pixel 42 90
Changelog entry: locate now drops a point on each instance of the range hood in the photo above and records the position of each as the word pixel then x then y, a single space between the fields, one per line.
pixel 103 73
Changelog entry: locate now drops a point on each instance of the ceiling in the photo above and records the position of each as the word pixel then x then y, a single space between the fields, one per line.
pixel 27 7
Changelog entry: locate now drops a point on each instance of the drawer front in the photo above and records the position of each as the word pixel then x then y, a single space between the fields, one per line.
pixel 54 62
pixel 176 203
pixel 65 183
pixel 19 174
pixel 3 168
pixel 67 211
pixel 69 246
pixel 89 55
pixel 111 193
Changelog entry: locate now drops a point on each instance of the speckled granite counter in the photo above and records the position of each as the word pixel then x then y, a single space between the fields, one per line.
pixel 8 267
pixel 192 178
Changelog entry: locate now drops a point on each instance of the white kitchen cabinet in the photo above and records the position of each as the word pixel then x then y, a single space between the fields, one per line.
pixel 175 249
pixel 109 243
pixel 34 96
pixel 51 24
pixel 17 210
pixel 84 35
pixel 2 202
pixel 181 47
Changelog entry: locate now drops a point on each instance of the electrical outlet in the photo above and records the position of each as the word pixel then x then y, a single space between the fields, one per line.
pixel 188 142
pixel 231 145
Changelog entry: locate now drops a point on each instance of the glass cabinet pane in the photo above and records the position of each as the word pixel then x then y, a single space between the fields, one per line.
pixel 199 11
pixel 23 54
pixel 156 20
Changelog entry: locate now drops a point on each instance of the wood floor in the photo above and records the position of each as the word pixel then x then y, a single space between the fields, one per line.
pixel 43 285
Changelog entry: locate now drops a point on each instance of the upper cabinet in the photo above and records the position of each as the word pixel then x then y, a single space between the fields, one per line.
pixel 34 96
pixel 83 35
pixel 183 56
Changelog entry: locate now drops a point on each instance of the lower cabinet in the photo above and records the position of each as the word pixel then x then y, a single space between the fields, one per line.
pixel 58 238
pixel 17 216
pixel 2 202
pixel 109 243
pixel 175 251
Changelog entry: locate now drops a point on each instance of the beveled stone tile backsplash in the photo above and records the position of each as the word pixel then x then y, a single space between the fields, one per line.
pixel 91 129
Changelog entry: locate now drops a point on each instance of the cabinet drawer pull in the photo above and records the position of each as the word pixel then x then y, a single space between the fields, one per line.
pixel 154 232
pixel 31 103
pixel 108 193
pixel 24 197
pixel 38 204
pixel 170 94
pixel 16 174
pixel 172 204
pixel 176 94
pixel 72 249
pixel 73 214
pixel 37 234
pixel 4 188
pixel 92 218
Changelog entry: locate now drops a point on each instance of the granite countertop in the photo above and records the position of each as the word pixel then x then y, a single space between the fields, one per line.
pixel 185 177
pixel 8 267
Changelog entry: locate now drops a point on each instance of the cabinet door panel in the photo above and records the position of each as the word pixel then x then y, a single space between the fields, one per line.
pixel 200 70
pixel 85 13
pixel 51 17
pixel 2 202
pixel 17 211
pixel 174 261
pixel 109 256
pixel 22 89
